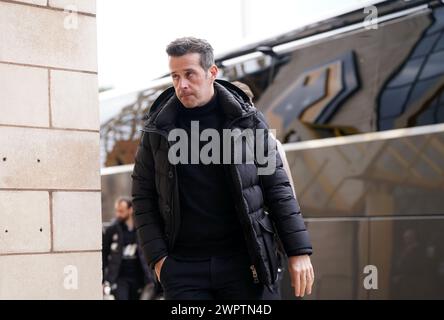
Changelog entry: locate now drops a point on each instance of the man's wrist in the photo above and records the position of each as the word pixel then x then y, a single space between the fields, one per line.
pixel 299 252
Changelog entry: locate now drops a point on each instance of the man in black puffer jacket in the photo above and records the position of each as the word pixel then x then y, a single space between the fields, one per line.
pixel 210 229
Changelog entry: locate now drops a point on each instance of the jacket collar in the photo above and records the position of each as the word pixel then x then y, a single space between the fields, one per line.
pixel 163 112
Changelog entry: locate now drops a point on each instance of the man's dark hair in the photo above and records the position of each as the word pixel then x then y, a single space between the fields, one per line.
pixel 183 46
pixel 129 203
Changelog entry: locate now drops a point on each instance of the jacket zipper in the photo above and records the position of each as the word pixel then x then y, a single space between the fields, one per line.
pixel 252 267
pixel 253 271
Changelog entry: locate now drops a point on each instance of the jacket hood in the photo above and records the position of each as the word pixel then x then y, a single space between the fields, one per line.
pixel 233 100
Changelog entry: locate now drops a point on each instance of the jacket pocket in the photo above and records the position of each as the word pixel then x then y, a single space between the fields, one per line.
pixel 268 238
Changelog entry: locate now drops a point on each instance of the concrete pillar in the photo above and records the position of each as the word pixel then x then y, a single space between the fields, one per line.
pixel 50 215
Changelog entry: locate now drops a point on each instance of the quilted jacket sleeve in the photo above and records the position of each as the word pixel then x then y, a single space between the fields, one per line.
pixel 149 224
pixel 283 206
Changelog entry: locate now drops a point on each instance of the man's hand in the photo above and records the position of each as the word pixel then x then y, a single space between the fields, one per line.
pixel 302 274
pixel 158 267
pixel 106 288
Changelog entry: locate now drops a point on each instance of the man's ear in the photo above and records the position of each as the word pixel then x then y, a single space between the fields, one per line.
pixel 214 70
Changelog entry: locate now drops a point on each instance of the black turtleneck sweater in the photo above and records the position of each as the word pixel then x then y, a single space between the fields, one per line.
pixel 209 223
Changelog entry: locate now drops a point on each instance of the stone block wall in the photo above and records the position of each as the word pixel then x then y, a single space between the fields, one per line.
pixel 50 208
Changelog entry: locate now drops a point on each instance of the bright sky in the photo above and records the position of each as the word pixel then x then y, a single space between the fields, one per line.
pixel 133 34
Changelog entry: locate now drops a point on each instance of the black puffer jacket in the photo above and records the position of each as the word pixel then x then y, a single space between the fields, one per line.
pixel 265 204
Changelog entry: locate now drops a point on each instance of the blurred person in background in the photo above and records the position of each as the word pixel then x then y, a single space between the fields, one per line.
pixel 125 273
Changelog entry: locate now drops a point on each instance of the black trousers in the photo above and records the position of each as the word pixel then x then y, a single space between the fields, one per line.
pixel 128 289
pixel 219 277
